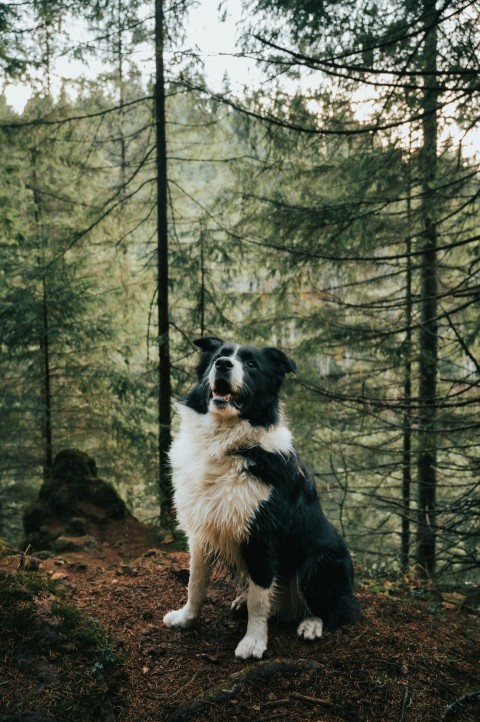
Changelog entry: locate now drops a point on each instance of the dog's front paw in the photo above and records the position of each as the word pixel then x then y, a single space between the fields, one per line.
pixel 310 628
pixel 251 647
pixel 179 618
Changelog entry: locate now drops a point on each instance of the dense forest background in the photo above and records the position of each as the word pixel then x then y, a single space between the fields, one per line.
pixel 332 210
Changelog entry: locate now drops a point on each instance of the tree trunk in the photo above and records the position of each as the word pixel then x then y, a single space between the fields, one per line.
pixel 407 389
pixel 428 349
pixel 44 341
pixel 202 282
pixel 121 81
pixel 47 390
pixel 164 386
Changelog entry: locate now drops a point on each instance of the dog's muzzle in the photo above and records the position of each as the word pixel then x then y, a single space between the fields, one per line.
pixel 224 383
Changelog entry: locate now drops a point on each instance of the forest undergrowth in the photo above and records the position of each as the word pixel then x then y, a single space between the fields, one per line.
pixel 413 656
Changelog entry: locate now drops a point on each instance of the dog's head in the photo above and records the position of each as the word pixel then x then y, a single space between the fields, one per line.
pixel 239 381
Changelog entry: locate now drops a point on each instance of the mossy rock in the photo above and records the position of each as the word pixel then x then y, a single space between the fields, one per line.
pixel 66 500
pixel 102 494
pixel 35 516
pixel 72 465
pixel 73 478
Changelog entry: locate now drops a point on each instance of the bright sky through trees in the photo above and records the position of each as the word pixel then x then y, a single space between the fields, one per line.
pixel 213 39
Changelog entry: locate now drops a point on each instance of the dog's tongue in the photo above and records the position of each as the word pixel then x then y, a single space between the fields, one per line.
pixel 223 397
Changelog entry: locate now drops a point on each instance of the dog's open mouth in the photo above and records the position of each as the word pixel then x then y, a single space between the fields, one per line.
pixel 222 394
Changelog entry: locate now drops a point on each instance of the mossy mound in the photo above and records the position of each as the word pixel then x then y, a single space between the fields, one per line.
pixel 69 502
pixel 59 659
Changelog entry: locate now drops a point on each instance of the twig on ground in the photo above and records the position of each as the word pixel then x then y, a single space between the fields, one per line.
pixel 190 681
pixel 405 703
pixel 272 702
pixel 307 698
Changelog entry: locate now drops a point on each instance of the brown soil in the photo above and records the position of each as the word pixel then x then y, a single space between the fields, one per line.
pixel 410 658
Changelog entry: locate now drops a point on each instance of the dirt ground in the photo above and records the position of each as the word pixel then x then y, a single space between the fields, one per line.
pixel 413 657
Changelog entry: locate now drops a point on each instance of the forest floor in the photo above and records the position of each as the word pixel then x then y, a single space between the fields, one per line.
pixel 413 657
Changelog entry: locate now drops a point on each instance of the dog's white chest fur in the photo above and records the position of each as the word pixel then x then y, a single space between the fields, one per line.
pixel 215 496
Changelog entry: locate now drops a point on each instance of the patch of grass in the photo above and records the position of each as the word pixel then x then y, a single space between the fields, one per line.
pixel 39 583
pixel 16 604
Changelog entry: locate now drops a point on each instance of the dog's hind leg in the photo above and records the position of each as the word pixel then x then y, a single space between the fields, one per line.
pixel 200 572
pixel 239 604
pixel 310 628
pixel 325 586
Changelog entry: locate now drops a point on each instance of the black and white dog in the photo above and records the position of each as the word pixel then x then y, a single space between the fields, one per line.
pixel 242 495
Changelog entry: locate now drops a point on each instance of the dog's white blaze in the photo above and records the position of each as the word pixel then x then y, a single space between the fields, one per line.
pixel 236 376
pixel 279 439
pixel 215 497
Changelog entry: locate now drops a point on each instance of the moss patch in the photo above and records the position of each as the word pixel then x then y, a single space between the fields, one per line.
pixel 60 660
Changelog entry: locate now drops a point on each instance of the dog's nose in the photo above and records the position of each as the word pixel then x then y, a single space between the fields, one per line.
pixel 223 364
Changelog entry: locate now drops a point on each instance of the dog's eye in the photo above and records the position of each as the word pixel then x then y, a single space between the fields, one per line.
pixel 251 364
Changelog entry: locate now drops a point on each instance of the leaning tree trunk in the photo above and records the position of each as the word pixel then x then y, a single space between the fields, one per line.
pixel 428 341
pixel 164 386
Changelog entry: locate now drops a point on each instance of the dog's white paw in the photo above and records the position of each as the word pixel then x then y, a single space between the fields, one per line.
pixel 179 618
pixel 251 647
pixel 240 603
pixel 310 628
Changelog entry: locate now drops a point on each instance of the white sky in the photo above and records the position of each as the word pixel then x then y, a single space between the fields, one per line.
pixel 217 43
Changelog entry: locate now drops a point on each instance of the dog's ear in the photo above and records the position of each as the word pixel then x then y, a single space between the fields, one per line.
pixel 285 364
pixel 210 343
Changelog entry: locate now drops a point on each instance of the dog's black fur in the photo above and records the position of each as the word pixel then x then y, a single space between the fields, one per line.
pixel 290 536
